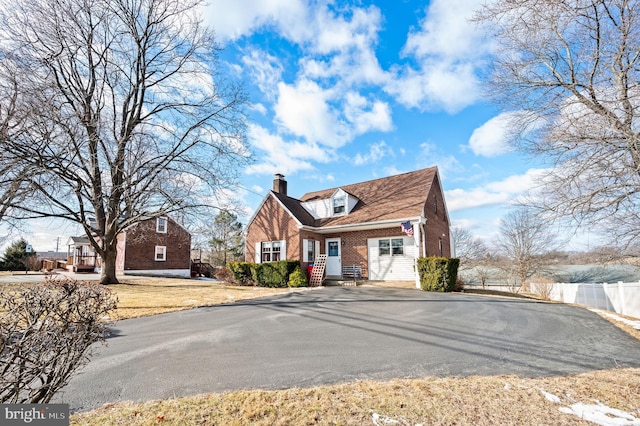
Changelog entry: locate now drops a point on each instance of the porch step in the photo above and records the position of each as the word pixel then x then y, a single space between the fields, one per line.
pixel 339 282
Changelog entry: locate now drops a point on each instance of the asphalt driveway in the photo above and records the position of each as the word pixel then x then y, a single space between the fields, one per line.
pixel 342 334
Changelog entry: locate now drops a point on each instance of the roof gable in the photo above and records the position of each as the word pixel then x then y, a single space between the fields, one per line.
pixel 400 196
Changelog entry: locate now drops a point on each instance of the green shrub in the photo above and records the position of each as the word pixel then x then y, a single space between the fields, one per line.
pixel 273 274
pixel 438 273
pixel 298 278
pixel 241 272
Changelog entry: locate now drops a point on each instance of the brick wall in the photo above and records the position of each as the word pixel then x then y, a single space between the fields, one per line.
pixel 437 226
pixel 142 239
pixel 273 223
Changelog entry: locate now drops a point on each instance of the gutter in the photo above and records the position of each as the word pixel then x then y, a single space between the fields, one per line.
pixel 359 226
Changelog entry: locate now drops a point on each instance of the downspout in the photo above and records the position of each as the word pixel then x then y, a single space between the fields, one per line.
pixel 452 244
pixel 424 240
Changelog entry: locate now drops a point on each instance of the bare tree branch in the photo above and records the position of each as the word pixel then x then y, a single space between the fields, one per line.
pixel 573 67
pixel 524 240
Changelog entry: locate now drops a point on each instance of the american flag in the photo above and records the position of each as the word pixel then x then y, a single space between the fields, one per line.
pixel 407 228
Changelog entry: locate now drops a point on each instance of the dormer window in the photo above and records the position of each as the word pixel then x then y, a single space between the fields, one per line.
pixel 339 204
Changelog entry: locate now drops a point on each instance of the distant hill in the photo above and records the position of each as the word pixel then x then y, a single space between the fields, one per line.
pixel 594 273
pixel 590 273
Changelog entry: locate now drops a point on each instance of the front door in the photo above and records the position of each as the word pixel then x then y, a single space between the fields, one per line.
pixel 334 262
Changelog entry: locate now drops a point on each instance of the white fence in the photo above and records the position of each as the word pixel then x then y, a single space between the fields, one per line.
pixel 622 298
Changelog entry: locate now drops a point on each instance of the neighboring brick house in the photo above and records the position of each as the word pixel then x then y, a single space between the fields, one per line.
pixel 383 225
pixel 158 246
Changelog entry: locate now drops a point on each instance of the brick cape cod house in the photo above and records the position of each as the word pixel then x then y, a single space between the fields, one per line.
pixel 382 225
pixel 157 246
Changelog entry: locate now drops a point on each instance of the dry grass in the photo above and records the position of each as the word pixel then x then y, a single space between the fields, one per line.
pixel 503 400
pixel 149 296
pixel 140 297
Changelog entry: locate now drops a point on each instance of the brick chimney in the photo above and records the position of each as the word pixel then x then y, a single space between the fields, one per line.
pixel 279 184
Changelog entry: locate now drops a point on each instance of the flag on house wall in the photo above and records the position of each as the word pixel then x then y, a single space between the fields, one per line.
pixel 407 228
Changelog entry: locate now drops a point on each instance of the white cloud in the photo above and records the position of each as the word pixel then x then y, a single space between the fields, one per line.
pixel 367 116
pixel 520 183
pixel 448 52
pixel 280 156
pixel 462 199
pixel 234 19
pixel 391 171
pixel 377 152
pixel 318 26
pixel 451 87
pixel 430 155
pixel 260 108
pixel 446 31
pixel 311 112
pixel 344 48
pixel 337 54
pixel 494 137
pixel 506 191
pixel 336 33
pixel 304 110
pixel 498 135
pixel 265 70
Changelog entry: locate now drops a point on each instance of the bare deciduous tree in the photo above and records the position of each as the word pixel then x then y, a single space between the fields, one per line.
pixel 45 334
pixel 470 250
pixel 13 177
pixel 477 262
pixel 572 70
pixel 129 118
pixel 524 239
pixel 226 241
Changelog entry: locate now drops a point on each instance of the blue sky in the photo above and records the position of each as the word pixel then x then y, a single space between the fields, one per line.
pixel 348 91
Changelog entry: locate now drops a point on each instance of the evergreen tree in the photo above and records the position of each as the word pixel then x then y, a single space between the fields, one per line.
pixel 15 257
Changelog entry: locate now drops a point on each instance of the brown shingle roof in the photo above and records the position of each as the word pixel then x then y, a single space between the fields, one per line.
pixel 401 196
pixel 296 209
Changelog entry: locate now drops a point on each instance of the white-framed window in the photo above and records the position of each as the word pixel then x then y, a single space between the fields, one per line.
pixel 339 205
pixel 310 248
pixel 161 254
pixel 391 247
pixel 271 251
pixel 161 225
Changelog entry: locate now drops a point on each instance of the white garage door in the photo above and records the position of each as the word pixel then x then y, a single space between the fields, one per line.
pixel 392 259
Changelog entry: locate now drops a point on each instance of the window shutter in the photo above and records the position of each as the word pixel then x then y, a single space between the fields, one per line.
pixel 305 250
pixel 283 250
pixel 258 255
pixel 317 250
